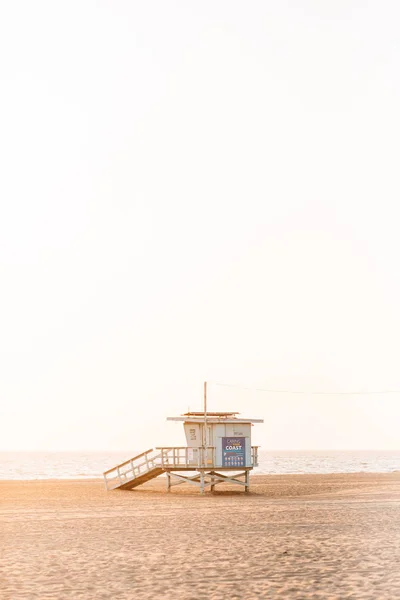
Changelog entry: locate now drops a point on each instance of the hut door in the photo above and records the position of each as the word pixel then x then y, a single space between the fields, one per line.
pixel 219 434
pixel 208 442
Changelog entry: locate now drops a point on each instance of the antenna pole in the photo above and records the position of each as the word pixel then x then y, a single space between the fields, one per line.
pixel 205 423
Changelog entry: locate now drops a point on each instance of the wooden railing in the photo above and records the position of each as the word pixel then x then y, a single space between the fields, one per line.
pixel 182 456
pixel 132 468
pixel 254 456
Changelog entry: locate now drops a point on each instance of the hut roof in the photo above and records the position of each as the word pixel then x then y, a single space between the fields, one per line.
pixel 211 414
pixel 213 417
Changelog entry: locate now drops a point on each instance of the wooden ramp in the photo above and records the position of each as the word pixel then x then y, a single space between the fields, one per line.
pixel 134 472
pixel 151 474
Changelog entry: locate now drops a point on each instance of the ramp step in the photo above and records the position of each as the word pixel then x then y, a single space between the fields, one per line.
pixel 152 474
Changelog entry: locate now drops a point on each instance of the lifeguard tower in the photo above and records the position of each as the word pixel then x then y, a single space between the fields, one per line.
pixel 218 450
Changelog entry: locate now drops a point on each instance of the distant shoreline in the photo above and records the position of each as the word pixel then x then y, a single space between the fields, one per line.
pixel 254 477
pixel 23 466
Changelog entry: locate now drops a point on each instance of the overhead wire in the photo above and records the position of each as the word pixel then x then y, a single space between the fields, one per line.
pixel 304 392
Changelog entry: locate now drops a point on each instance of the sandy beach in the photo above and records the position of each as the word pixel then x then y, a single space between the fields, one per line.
pixel 293 536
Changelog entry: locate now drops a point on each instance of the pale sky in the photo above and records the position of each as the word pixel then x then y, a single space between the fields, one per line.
pixel 198 191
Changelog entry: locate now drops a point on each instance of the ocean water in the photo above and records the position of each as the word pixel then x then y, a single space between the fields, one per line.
pixel 85 465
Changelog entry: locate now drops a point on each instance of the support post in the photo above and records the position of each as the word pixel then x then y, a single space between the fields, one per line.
pixel 212 483
pixel 201 482
pixel 205 426
pixel 168 482
pixel 247 481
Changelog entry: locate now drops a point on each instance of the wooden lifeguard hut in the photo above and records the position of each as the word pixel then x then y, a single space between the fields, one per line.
pixel 218 450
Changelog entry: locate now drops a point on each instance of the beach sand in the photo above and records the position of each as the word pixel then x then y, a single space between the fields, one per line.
pixel 294 536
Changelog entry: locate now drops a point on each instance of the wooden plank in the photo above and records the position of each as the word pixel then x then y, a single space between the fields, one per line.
pixel 170 447
pixel 196 480
pixel 183 478
pixel 219 478
pixel 143 453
